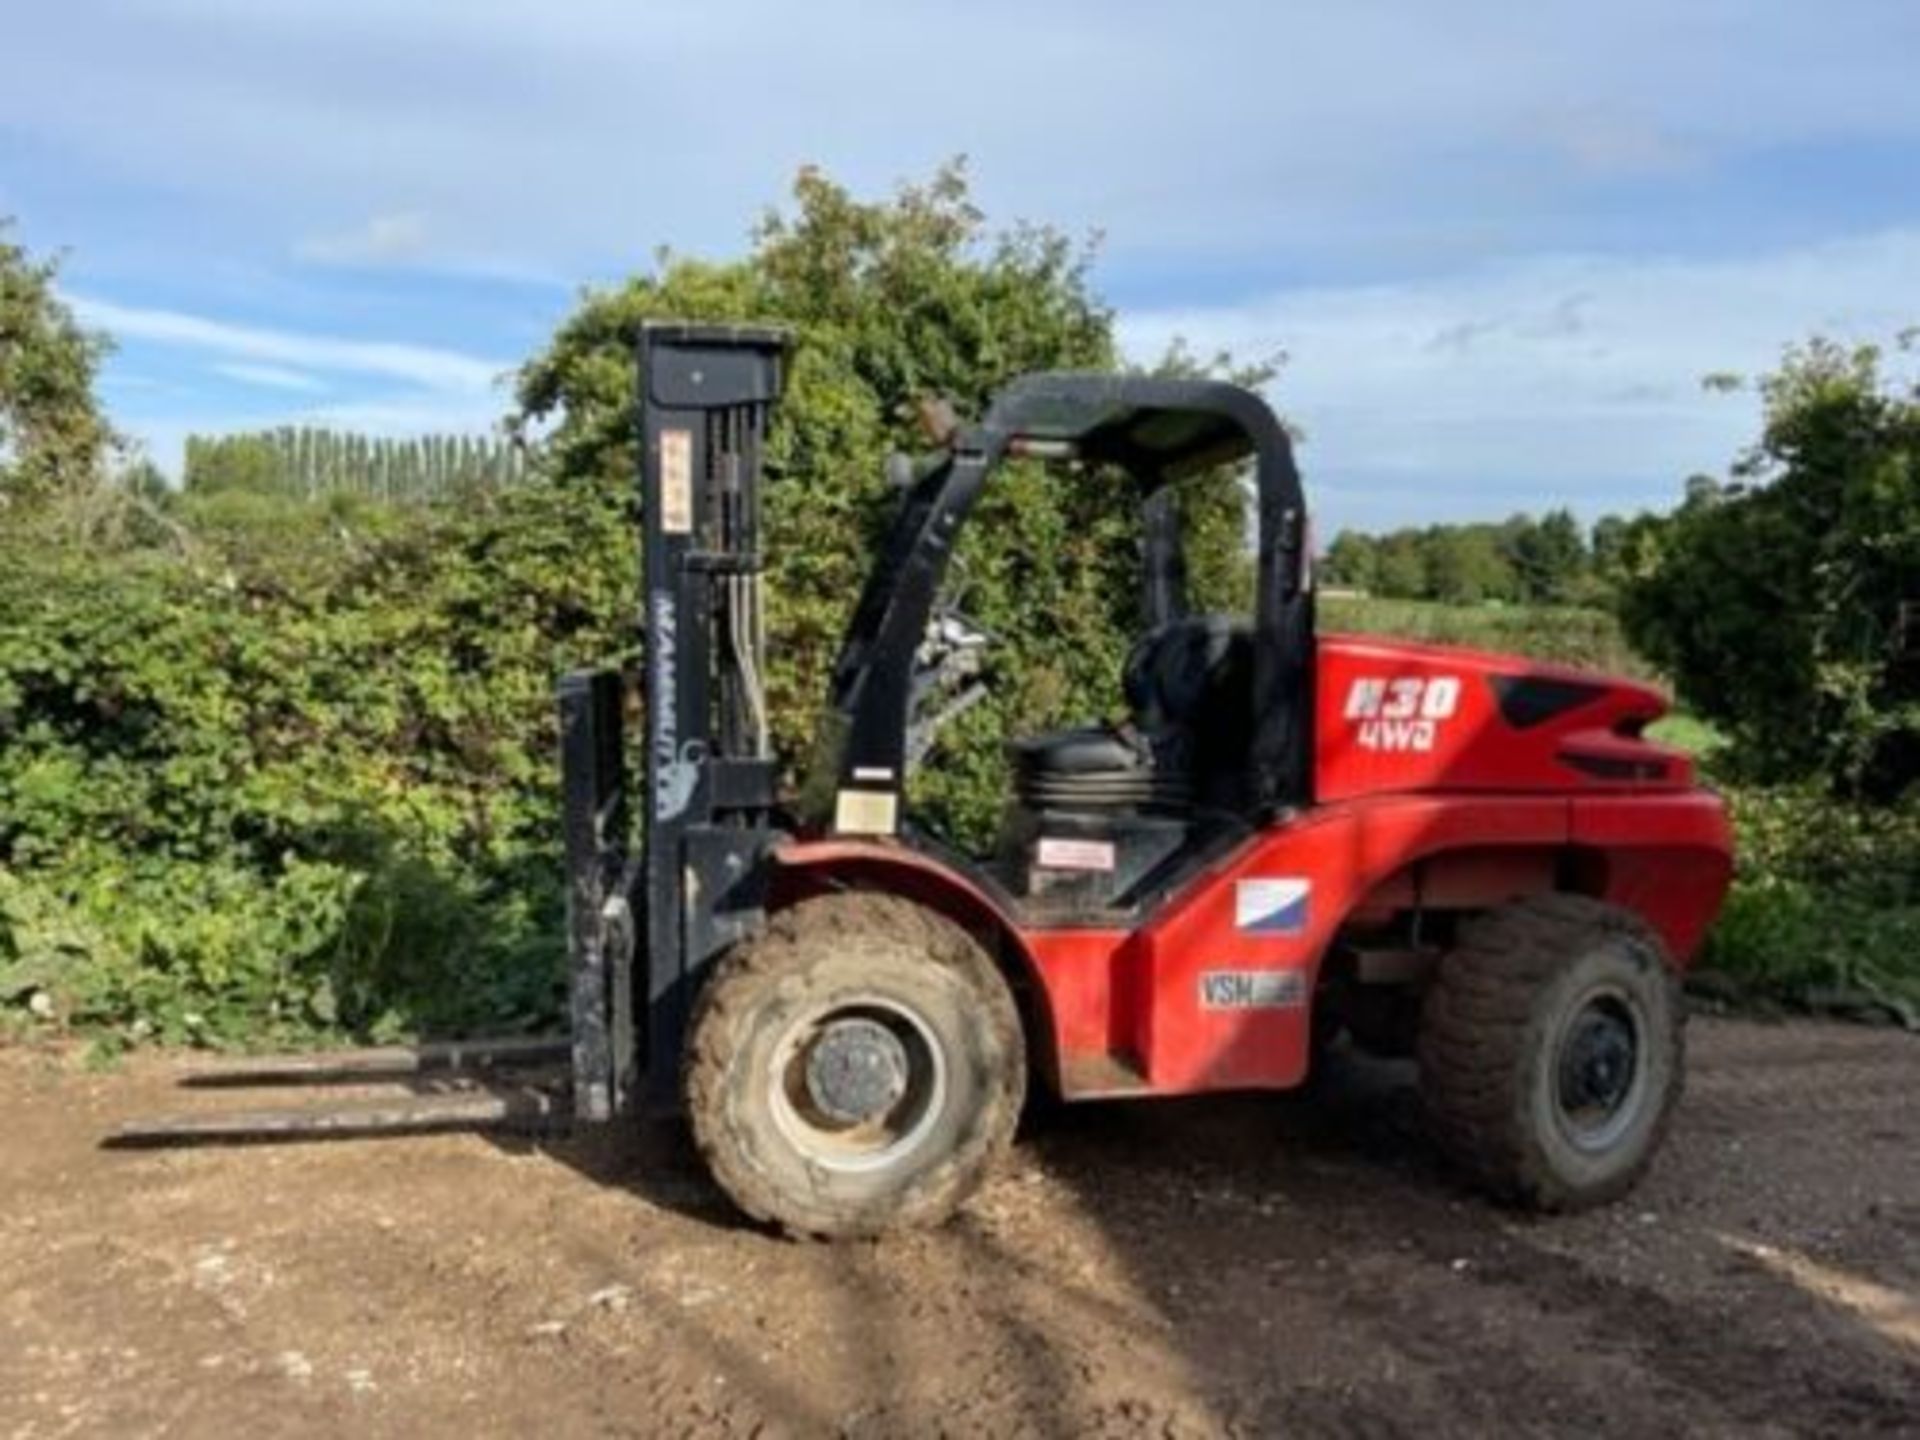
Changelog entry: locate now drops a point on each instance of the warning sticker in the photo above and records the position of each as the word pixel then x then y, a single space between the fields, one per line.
pixel 866 812
pixel 676 482
pixel 1055 853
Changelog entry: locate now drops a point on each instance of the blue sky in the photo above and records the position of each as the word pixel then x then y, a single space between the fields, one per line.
pixel 1499 243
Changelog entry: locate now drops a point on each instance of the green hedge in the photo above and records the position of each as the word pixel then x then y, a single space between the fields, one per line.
pixel 296 777
pixel 1825 908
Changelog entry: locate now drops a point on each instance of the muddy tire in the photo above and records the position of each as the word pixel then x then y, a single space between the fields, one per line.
pixel 1551 1051
pixel 857 1068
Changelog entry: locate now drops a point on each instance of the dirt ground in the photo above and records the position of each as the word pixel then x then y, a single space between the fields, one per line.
pixel 1260 1266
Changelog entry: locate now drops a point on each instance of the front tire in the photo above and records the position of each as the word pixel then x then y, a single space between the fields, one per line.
pixel 1551 1051
pixel 856 1068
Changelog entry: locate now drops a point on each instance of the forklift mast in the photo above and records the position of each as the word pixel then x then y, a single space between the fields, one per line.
pixel 642 929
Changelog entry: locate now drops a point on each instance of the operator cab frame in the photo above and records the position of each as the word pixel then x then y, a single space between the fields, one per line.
pixel 1221 737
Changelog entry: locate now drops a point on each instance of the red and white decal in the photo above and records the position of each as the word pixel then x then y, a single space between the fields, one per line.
pixel 1057 853
pixel 1401 713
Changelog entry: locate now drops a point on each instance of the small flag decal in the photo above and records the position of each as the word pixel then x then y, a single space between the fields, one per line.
pixel 1272 906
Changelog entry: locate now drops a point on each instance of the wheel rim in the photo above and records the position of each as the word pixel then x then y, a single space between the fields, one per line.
pixel 1599 1078
pixel 858 1084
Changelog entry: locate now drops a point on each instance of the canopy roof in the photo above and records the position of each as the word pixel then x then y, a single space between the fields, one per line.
pixel 1154 426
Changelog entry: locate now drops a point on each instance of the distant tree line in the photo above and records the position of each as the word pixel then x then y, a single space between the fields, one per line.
pixel 306 463
pixel 1548 560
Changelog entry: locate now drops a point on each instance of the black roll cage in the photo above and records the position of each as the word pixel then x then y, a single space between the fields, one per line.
pixel 1159 431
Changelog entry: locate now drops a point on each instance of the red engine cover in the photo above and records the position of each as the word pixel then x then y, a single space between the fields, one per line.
pixel 1395 717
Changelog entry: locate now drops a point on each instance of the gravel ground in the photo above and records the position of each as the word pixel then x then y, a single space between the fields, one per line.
pixel 1252 1265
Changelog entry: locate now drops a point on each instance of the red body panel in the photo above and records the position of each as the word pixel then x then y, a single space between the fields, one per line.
pixel 1670 865
pixel 1457 807
pixel 1390 716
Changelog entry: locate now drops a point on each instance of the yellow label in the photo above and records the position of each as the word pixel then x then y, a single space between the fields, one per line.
pixel 676 482
pixel 865 812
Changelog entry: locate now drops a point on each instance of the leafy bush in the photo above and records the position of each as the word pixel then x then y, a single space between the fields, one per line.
pixel 1825 907
pixel 53 437
pixel 1788 610
pixel 297 775
pixel 1786 606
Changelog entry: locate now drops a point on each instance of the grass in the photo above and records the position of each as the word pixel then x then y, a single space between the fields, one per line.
pixel 1566 635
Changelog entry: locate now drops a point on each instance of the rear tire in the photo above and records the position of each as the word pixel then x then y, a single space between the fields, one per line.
pixel 856 1068
pixel 1551 1051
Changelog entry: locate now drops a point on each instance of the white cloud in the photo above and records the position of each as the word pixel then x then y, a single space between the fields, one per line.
pixel 386 388
pixel 584 134
pixel 438 416
pixel 1554 380
pixel 270 377
pixel 382 240
pixel 431 368
pixel 1457 150
pixel 129 382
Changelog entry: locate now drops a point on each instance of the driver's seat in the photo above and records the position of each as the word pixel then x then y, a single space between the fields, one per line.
pixel 1189 686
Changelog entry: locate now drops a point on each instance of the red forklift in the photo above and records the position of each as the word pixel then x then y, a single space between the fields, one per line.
pixel 1467 858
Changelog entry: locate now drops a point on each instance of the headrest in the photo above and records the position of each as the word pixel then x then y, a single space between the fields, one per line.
pixel 1195 663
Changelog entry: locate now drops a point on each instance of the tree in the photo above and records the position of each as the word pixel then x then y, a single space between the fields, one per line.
pixel 226 464
pixel 1351 561
pixel 1625 550
pixel 1400 566
pixel 141 479
pixel 1782 607
pixel 53 437
pixel 307 464
pixel 1608 544
pixel 1704 490
pixel 1549 558
pixel 1465 565
pixel 891 301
